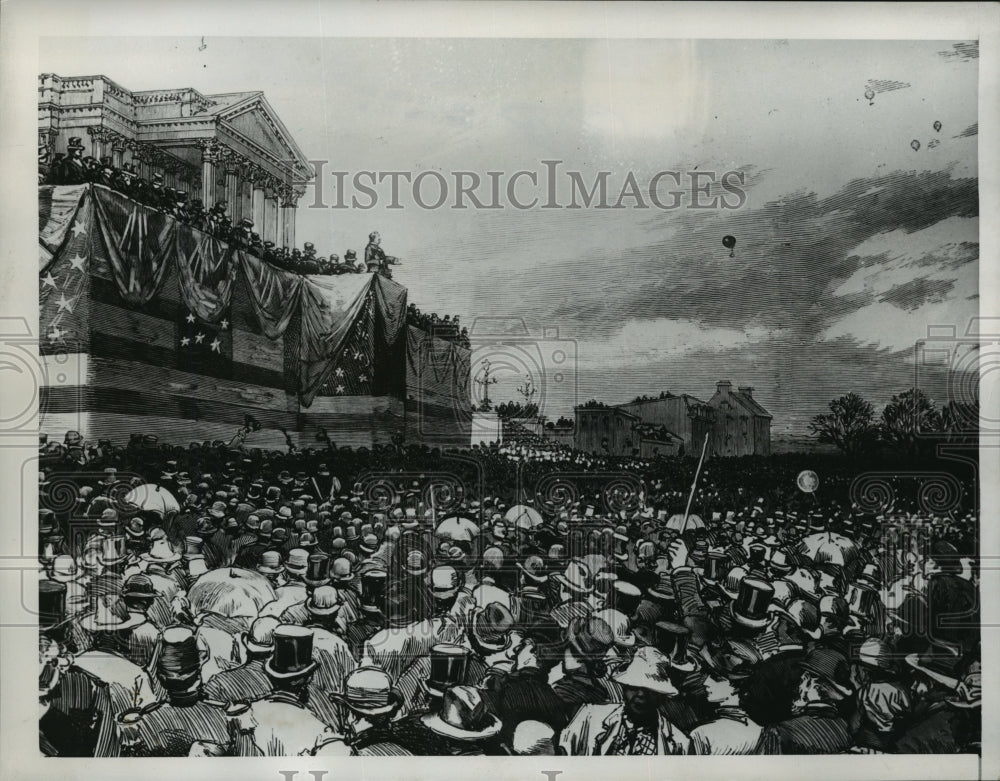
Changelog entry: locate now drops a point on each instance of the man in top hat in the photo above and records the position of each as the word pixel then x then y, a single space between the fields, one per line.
pixel 636 726
pixel 816 727
pixel 285 726
pixel 171 728
pixel 71 169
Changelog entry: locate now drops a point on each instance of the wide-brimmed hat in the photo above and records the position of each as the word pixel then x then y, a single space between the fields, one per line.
pixel 369 691
pixel 324 601
pixel 736 661
pixel 831 667
pixel 576 577
pixel 650 670
pixel 292 657
pixel 64 569
pixel 877 654
pixel 589 637
pixel 111 614
pixel 804 614
pixel 620 627
pixel 491 626
pixel 533 568
pixel 937 662
pixel 161 551
pixel 969 692
pixel 463 715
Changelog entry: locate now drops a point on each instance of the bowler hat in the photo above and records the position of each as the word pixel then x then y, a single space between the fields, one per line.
pixel 369 692
pixel 463 715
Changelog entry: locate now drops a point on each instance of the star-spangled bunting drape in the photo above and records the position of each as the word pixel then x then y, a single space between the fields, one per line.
pixel 350 326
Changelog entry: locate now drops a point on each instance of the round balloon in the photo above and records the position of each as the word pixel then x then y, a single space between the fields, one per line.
pixel 915 145
pixel 937 127
pixel 808 481
pixel 728 242
pixel 870 95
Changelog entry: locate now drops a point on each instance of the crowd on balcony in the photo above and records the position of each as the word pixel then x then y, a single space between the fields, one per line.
pixel 73 167
pixel 448 327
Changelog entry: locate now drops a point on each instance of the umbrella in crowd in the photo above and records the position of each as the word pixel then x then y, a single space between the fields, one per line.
pixel 457 529
pixel 231 592
pixel 523 517
pixel 153 498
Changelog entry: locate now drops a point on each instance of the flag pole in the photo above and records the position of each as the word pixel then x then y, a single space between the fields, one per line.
pixel 697 472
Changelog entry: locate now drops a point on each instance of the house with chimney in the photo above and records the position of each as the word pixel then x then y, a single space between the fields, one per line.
pixel 742 426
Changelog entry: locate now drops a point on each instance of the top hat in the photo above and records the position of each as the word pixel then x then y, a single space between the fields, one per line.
pixel 51 603
pixel 179 663
pixel 113 550
pixel 369 692
pixel 75 143
pixel 448 666
pixel 111 614
pixel 625 597
pixel 650 670
pixel 750 606
pixel 463 715
pixel 663 591
pixel 292 657
pixel 317 569
pixel 672 639
pixel 373 583
pixel 716 566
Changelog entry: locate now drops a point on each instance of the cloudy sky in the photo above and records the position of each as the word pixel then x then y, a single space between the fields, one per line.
pixel 850 243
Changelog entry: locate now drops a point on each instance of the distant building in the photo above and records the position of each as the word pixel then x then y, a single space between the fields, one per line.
pixel 687 418
pixel 742 426
pixel 734 422
pixel 614 431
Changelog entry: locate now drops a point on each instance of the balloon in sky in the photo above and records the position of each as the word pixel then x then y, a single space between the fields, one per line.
pixel 937 127
pixel 915 144
pixel 808 481
pixel 729 242
pixel 870 95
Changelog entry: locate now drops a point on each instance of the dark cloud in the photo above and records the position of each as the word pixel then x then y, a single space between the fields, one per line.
pixel 966 50
pixel 917 292
pixel 971 130
pixel 887 85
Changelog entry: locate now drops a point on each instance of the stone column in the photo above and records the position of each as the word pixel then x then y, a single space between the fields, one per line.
pixel 118 145
pixel 257 203
pixel 233 188
pixel 288 212
pixel 98 135
pixel 270 232
pixel 210 151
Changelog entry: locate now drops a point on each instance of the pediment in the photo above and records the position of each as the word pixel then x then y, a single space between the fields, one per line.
pixel 255 124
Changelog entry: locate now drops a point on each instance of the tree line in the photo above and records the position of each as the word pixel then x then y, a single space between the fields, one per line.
pixel 911 423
